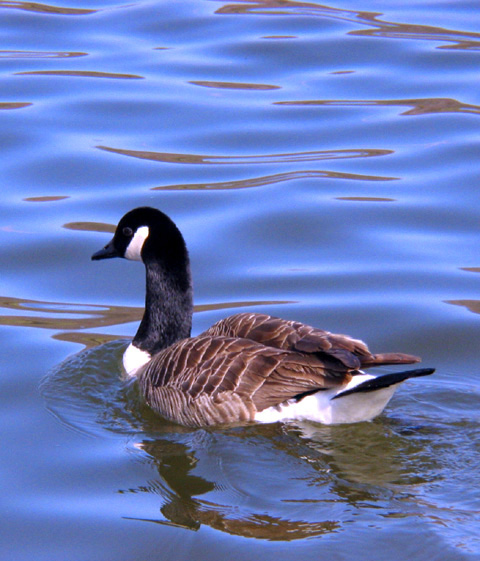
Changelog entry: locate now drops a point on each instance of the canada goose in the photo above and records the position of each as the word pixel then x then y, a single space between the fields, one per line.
pixel 247 367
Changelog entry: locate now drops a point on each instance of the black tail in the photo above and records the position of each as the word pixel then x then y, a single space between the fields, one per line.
pixel 386 381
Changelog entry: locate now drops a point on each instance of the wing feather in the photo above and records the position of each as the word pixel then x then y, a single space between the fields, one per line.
pixel 295 336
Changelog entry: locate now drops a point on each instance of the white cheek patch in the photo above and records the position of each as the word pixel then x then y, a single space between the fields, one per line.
pixel 134 248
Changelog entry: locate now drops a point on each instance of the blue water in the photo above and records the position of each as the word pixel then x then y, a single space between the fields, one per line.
pixel 323 165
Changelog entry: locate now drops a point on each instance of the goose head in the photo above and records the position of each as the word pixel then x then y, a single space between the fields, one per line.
pixel 148 235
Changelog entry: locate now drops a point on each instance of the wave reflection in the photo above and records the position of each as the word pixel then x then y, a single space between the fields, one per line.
pixel 46 199
pixel 70 320
pixel 90 227
pixel 377 28
pixel 79 73
pixel 419 106
pixel 40 54
pixel 471 305
pixel 311 156
pixel 366 199
pixel 272 179
pixel 45 9
pixel 14 104
pixel 233 85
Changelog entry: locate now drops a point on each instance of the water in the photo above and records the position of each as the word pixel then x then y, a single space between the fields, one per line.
pixel 322 163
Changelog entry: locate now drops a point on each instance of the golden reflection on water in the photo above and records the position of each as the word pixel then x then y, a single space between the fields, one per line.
pixel 13 105
pixel 233 85
pixel 419 106
pixel 377 27
pixel 343 72
pixel 79 73
pixel 90 227
pixel 280 37
pixel 311 156
pixel 460 39
pixel 366 199
pixel 39 54
pixel 44 8
pixel 52 315
pixel 91 315
pixel 46 199
pixel 471 305
pixel 272 179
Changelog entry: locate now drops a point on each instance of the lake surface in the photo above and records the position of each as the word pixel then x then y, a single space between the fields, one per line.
pixel 323 164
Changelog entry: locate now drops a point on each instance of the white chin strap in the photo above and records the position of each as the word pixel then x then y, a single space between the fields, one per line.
pixel 134 248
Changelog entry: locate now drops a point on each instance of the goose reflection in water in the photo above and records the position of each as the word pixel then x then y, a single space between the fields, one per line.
pixel 294 487
pixel 182 507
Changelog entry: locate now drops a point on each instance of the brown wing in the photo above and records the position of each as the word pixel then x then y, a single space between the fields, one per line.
pixel 210 380
pixel 296 336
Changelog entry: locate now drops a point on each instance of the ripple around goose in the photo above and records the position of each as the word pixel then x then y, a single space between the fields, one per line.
pixel 246 367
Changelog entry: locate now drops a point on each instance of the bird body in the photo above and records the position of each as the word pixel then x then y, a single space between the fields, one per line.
pixel 246 367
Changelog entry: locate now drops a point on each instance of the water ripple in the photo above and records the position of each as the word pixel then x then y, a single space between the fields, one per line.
pixel 70 320
pixel 419 106
pixel 233 85
pixel 311 156
pixel 14 105
pixel 381 28
pixel 46 199
pixel 471 305
pixel 40 54
pixel 272 179
pixel 80 73
pixel 45 8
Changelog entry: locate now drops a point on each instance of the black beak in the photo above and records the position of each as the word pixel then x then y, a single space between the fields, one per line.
pixel 107 252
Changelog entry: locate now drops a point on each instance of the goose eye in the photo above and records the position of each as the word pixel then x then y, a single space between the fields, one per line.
pixel 128 232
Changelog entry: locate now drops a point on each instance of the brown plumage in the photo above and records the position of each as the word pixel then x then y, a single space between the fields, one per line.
pixel 247 363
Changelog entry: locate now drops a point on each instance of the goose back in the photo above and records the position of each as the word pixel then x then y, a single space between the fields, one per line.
pixel 297 336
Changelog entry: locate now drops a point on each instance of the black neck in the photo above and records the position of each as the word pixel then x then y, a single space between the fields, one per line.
pixel 168 308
